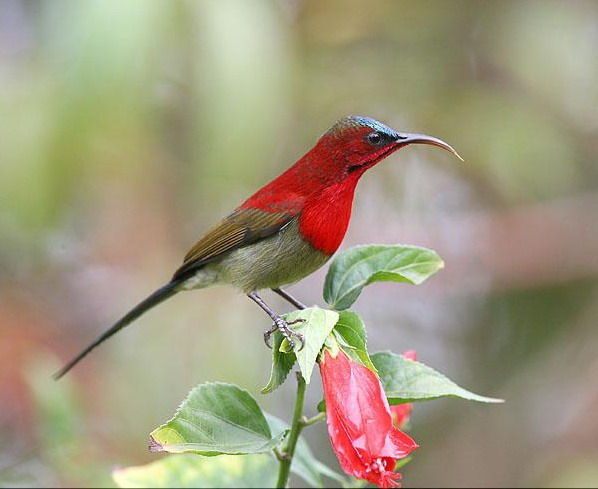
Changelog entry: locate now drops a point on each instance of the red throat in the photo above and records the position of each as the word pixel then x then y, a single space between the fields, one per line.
pixel 323 215
pixel 325 219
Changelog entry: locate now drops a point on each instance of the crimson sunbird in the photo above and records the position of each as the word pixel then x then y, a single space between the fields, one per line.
pixel 287 229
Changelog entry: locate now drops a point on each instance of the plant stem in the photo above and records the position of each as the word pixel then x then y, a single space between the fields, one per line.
pixel 313 420
pixel 284 469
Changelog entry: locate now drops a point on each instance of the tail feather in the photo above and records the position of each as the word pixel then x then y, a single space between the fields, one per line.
pixel 154 299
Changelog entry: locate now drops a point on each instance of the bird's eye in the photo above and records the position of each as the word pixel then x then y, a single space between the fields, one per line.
pixel 375 138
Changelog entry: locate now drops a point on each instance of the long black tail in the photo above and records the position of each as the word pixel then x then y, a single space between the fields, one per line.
pixel 158 296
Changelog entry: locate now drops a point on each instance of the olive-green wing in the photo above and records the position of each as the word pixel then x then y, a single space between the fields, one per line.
pixel 243 227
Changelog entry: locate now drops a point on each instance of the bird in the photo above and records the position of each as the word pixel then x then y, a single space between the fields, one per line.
pixel 287 229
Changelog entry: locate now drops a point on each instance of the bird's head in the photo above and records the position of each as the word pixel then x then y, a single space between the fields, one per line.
pixel 358 143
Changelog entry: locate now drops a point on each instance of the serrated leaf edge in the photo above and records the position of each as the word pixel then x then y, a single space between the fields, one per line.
pixel 265 389
pixel 386 247
pixel 156 446
pixel 475 397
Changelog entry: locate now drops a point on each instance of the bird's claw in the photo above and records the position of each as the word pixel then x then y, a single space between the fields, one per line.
pixel 268 334
pixel 283 326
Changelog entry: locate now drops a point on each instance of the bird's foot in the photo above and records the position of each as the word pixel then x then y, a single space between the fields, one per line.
pixel 283 326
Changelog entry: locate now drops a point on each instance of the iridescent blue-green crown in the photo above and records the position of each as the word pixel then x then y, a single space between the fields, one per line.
pixel 360 121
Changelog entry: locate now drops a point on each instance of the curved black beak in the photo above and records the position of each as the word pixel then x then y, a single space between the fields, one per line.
pixel 404 139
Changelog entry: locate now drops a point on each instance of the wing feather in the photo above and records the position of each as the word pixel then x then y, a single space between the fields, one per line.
pixel 244 226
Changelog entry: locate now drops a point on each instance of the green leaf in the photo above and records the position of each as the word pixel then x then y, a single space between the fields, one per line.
pixel 305 464
pixel 258 470
pixel 214 419
pixel 315 329
pixel 401 463
pixel 350 332
pixel 407 380
pixel 282 363
pixel 359 266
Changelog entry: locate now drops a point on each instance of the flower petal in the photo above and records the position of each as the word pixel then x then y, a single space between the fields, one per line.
pixel 359 421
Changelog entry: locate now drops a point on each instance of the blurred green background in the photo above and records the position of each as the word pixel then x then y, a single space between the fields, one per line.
pixel 128 128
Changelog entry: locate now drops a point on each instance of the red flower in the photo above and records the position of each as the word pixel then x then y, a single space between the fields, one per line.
pixel 400 413
pixel 359 421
